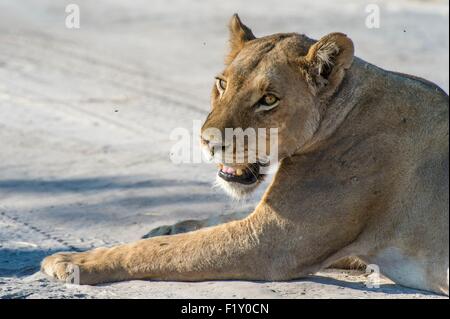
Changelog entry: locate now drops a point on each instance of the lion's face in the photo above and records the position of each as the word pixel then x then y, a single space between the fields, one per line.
pixel 268 83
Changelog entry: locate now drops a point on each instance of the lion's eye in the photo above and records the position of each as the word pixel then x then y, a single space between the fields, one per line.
pixel 221 85
pixel 267 102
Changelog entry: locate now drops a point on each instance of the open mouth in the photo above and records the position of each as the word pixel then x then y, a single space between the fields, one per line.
pixel 247 176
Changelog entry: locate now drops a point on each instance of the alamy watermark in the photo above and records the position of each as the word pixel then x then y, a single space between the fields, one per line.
pixel 229 145
pixel 373 16
pixel 74 276
pixel 72 20
pixel 373 276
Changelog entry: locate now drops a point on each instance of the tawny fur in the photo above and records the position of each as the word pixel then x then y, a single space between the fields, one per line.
pixel 363 172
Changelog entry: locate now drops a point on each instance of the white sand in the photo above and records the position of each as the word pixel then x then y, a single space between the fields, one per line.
pixel 85 117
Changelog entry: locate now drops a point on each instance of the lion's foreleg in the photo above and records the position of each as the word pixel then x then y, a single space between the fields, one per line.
pixel 237 250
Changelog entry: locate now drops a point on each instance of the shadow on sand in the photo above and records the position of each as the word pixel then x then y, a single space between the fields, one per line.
pixel 90 184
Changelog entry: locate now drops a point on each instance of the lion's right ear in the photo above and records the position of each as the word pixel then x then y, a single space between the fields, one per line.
pixel 327 61
pixel 239 34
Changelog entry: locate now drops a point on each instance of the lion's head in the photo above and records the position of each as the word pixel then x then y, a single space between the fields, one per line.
pixel 280 81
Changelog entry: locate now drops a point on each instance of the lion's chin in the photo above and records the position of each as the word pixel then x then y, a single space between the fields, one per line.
pixel 236 190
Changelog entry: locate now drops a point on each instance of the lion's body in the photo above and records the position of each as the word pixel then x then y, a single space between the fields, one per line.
pixel 382 179
pixel 370 180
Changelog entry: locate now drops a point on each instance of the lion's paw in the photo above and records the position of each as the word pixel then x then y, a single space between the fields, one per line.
pixel 62 266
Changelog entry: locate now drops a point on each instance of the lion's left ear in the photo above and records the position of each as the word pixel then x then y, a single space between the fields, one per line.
pixel 327 60
pixel 239 35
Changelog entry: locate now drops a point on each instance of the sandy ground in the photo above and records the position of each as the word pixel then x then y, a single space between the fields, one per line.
pixel 85 118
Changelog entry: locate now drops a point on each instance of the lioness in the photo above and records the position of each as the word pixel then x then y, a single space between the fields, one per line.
pixel 363 171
